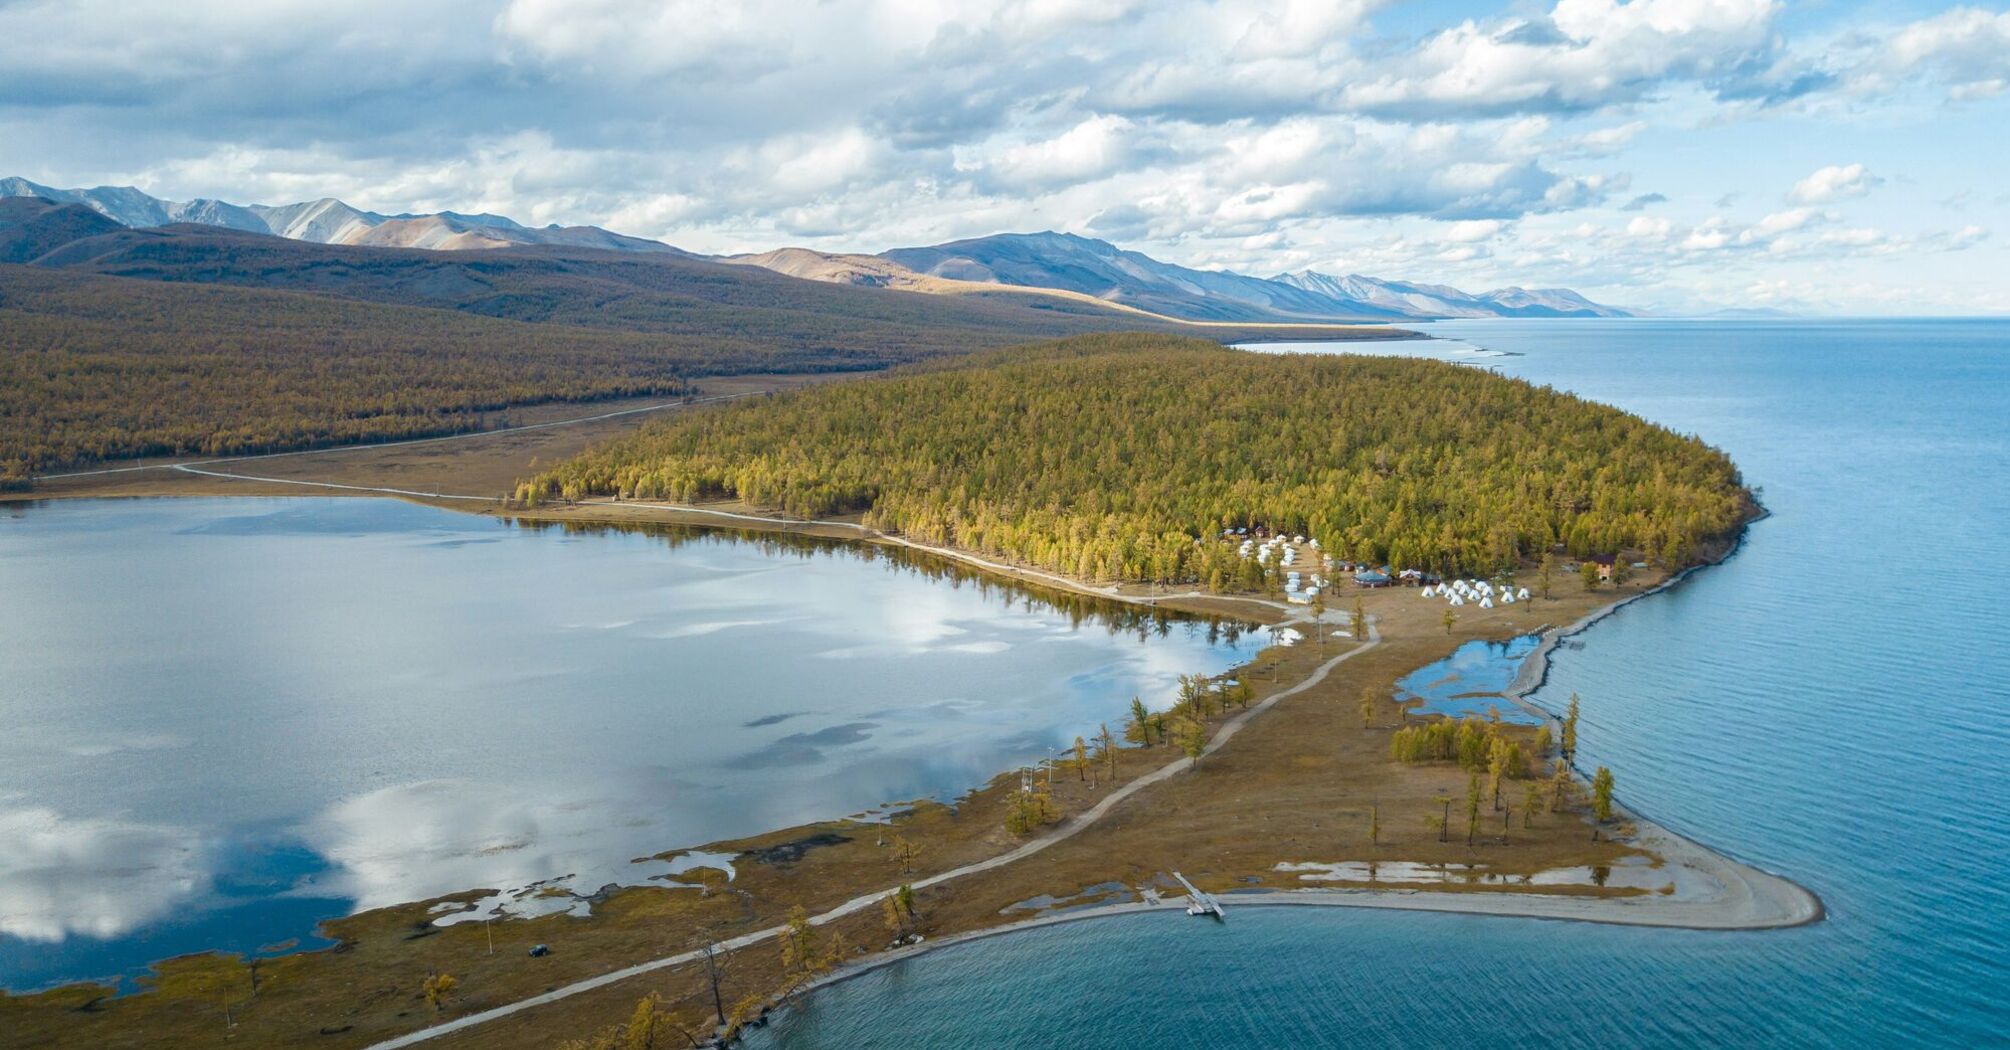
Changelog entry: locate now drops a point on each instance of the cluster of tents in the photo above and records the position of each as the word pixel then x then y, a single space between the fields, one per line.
pixel 1479 592
pixel 1261 552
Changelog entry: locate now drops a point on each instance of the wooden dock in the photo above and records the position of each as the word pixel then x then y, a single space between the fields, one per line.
pixel 1202 903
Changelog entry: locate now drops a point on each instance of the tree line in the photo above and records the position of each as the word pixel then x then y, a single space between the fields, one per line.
pixel 1123 457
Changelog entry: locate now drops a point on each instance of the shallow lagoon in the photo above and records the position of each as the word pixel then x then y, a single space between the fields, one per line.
pixel 228 719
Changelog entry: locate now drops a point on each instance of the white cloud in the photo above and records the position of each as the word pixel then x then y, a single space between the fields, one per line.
pixel 1587 54
pixel 1833 183
pixel 1473 230
pixel 1095 147
pixel 1257 134
pixel 1966 49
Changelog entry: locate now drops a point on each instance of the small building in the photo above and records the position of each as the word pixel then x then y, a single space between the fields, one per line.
pixel 1372 578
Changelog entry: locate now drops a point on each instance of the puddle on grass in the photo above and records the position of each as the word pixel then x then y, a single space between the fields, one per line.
pixel 574 894
pixel 1470 681
pixel 1086 897
pixel 1627 873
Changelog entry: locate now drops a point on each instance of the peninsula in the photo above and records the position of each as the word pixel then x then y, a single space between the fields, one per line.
pixel 1349 503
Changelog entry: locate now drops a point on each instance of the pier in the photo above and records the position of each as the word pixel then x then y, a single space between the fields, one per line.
pixel 1203 903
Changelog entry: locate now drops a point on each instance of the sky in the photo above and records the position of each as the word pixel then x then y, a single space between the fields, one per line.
pixel 1672 155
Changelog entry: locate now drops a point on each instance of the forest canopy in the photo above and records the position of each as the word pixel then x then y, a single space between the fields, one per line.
pixel 1123 457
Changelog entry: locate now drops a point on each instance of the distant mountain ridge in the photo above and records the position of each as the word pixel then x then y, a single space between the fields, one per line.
pixel 1438 300
pixel 1102 270
pixel 329 221
pixel 1064 264
pixel 1083 265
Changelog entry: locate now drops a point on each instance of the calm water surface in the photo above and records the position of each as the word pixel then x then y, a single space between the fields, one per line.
pixel 229 719
pixel 1833 703
pixel 1469 682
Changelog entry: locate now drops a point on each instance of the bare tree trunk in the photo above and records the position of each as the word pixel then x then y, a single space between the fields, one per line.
pixel 712 972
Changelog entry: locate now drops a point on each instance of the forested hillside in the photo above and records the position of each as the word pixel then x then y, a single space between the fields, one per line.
pixel 1122 457
pixel 95 367
pixel 120 342
pixel 31 227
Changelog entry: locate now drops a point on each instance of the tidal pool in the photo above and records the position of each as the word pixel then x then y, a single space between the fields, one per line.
pixel 230 719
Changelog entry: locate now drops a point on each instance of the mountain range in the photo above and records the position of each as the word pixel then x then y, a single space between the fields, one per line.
pixel 329 221
pixel 1048 263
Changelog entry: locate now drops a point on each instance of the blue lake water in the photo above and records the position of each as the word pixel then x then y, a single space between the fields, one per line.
pixel 227 720
pixel 1470 681
pixel 1833 703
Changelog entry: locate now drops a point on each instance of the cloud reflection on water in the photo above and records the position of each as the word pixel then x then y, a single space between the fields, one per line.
pixel 102 878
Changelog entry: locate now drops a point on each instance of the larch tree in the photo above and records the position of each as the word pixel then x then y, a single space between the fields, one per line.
pixel 1497 767
pixel 1141 722
pixel 904 854
pixel 1601 794
pixel 1559 786
pixel 436 987
pixel 898 909
pixel 1109 749
pixel 1570 729
pixel 1192 741
pixel 1360 625
pixel 1473 795
pixel 1448 620
pixel 802 956
pixel 1081 759
pixel 1546 573
pixel 1587 574
pixel 1374 822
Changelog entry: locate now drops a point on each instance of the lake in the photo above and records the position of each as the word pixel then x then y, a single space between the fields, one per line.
pixel 230 719
pixel 1833 703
